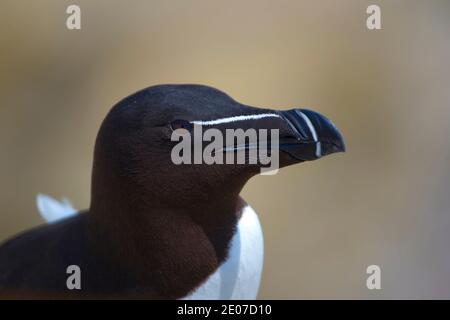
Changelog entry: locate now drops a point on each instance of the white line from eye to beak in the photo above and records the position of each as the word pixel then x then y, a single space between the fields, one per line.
pixel 236 119
pixel 261 116
pixel 313 132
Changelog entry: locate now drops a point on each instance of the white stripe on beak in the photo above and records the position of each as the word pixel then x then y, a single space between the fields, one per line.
pixel 313 132
pixel 235 119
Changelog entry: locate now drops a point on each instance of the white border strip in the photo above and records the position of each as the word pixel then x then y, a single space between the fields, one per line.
pixel 236 119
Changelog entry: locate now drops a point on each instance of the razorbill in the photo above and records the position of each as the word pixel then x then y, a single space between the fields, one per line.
pixel 155 229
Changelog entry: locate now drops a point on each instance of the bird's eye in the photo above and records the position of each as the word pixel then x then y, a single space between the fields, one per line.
pixel 181 124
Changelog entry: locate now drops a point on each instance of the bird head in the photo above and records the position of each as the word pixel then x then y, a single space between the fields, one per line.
pixel 195 143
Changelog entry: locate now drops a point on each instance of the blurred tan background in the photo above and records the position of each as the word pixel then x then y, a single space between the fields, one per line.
pixel 385 202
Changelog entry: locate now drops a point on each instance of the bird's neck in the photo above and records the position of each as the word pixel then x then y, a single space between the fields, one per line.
pixel 169 251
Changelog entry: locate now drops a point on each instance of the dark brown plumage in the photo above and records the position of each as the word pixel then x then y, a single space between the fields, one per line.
pixel 154 229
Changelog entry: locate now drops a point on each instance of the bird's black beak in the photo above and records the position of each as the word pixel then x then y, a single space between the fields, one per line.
pixel 311 137
pixel 300 135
